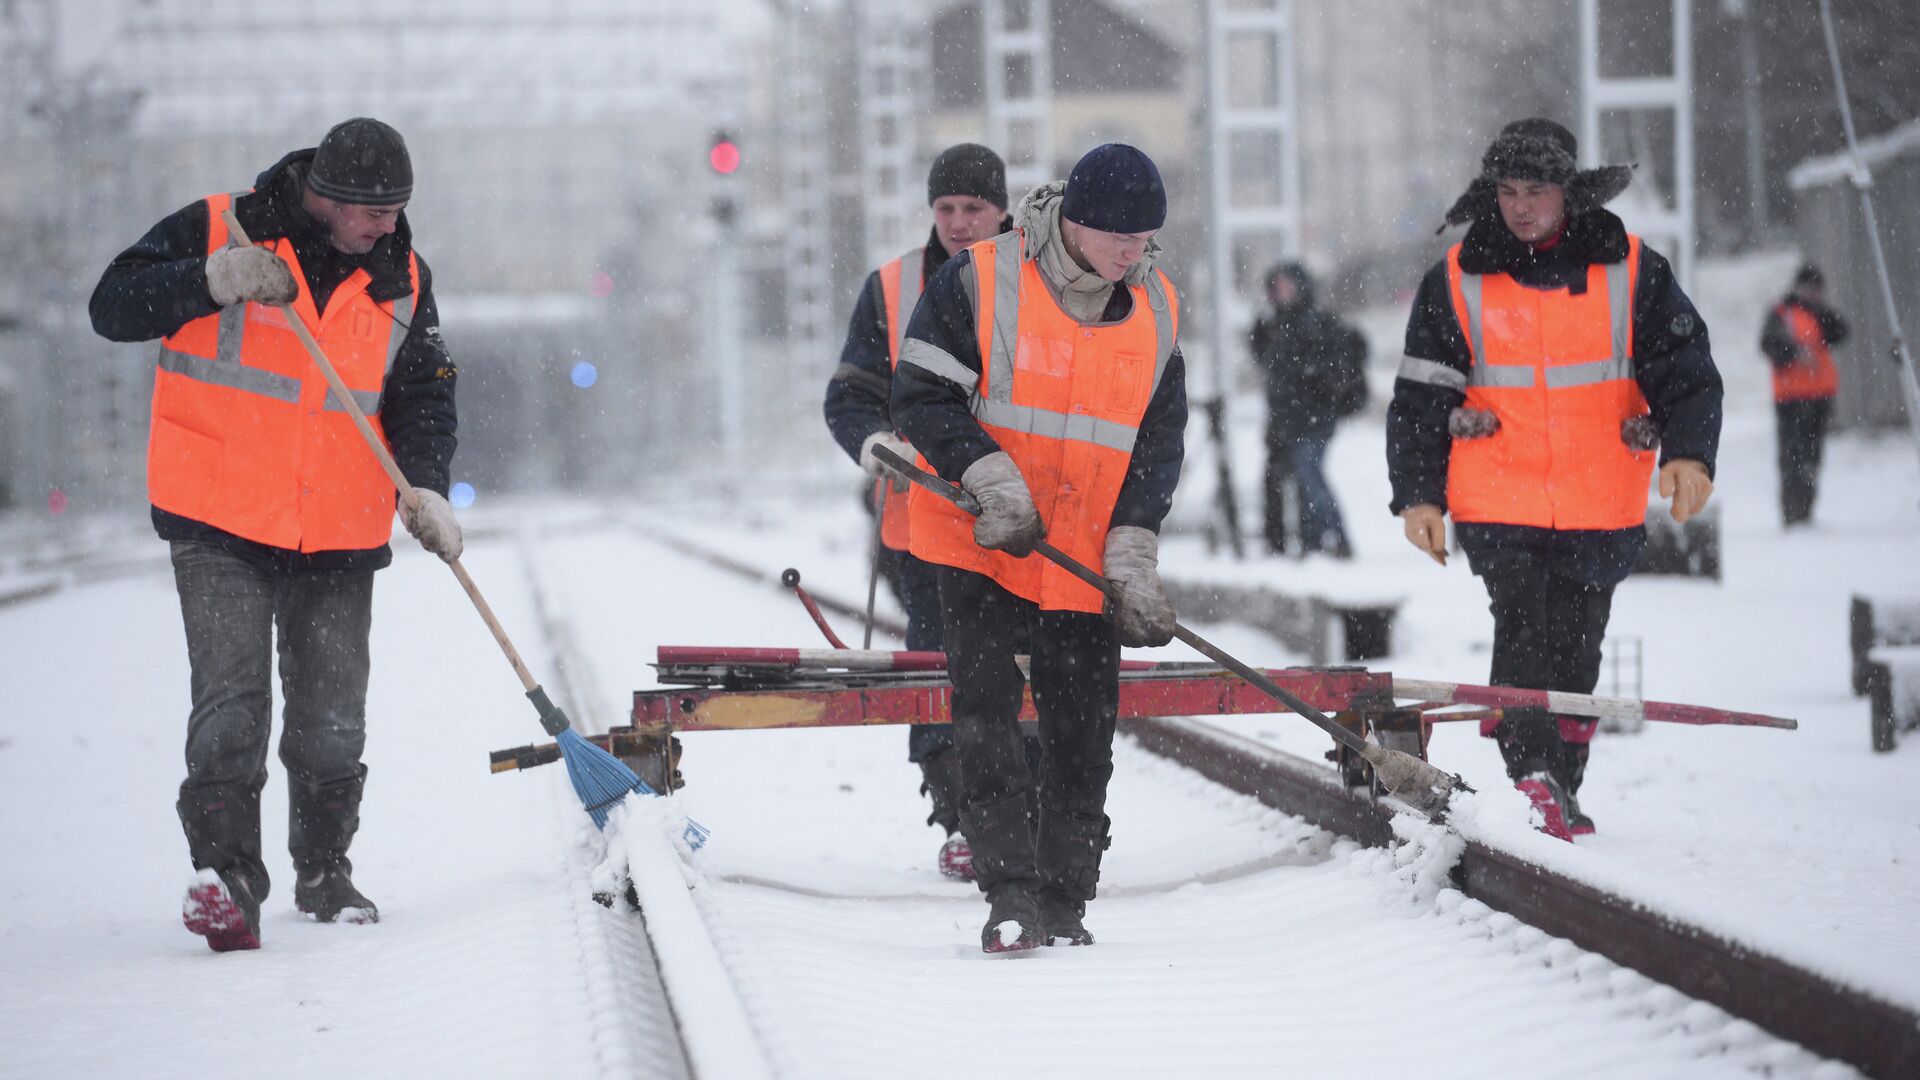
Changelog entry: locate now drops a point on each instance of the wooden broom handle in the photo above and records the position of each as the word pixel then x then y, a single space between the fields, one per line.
pixel 407 494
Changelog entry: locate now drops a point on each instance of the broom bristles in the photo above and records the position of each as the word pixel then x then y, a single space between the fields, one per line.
pixel 602 780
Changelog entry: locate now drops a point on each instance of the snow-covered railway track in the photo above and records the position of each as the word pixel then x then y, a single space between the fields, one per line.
pixel 824 960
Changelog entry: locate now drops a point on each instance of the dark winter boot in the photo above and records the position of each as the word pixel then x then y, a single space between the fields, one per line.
pixel 222 824
pixel 1569 769
pixel 222 909
pixel 1003 866
pixel 326 892
pixel 322 819
pixel 1067 854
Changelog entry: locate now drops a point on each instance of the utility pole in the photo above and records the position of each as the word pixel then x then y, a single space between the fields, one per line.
pixel 1759 216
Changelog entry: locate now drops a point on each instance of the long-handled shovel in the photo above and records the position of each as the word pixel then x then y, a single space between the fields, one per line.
pixel 600 779
pixel 1417 783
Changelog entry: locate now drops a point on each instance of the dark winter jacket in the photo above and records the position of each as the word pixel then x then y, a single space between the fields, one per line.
pixel 1777 342
pixel 933 412
pixel 1306 354
pixel 1673 363
pixel 858 392
pixel 160 284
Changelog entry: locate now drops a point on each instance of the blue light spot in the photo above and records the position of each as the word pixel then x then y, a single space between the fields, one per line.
pixel 460 495
pixel 585 374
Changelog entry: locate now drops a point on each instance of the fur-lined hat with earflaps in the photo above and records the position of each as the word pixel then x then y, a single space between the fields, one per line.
pixel 1537 149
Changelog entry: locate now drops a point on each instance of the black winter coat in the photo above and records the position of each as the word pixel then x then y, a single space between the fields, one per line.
pixel 1673 363
pixel 934 414
pixel 160 284
pixel 1303 352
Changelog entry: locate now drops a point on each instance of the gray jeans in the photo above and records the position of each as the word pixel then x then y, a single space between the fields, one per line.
pixel 232 608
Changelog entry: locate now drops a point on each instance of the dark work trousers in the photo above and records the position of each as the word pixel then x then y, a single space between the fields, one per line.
pixel 1802 429
pixel 1279 479
pixel 232 608
pixel 916 585
pixel 1075 664
pixel 1547 632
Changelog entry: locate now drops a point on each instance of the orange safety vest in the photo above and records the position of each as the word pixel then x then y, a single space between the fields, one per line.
pixel 1065 400
pixel 245 436
pixel 1805 381
pixel 1557 369
pixel 900 286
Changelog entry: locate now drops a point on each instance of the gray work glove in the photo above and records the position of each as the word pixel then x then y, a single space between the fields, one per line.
pixel 1139 607
pixel 235 274
pixel 1466 423
pixel 1007 522
pixel 432 523
pixel 1640 433
pixel 873 465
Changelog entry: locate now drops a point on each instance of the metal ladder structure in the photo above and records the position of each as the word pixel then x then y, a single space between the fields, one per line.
pixel 1017 81
pixel 1619 115
pixel 891 49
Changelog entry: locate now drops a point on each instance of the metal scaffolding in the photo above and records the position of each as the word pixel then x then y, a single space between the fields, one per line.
pixel 1017 41
pixel 893 55
pixel 1626 116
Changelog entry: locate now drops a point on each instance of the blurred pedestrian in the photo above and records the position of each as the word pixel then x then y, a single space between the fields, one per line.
pixel 1315 373
pixel 276 512
pixel 1800 334
pixel 1547 357
pixel 1041 372
pixel 967 191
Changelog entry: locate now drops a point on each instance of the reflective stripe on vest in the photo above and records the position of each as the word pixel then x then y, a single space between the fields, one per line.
pixel 1808 380
pixel 246 435
pixel 1557 369
pixel 900 284
pixel 1064 399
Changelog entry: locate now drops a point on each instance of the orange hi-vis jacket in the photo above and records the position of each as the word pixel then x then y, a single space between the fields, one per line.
pixel 1065 400
pixel 1557 369
pixel 900 286
pixel 1805 381
pixel 245 436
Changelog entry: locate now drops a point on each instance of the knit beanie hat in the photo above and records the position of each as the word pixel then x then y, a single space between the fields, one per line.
pixel 1809 274
pixel 968 169
pixel 1115 188
pixel 362 161
pixel 1538 149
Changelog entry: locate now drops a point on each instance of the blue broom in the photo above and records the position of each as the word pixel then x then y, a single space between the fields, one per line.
pixel 600 779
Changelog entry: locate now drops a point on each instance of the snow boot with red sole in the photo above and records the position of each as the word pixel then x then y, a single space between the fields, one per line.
pixel 956 858
pixel 229 918
pixel 1550 800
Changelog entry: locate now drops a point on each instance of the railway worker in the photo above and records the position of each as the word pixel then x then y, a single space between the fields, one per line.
pixel 276 511
pixel 1040 372
pixel 967 191
pixel 1548 358
pixel 1798 340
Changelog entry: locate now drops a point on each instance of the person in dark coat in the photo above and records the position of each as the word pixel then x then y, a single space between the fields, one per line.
pixel 249 466
pixel 1313 367
pixel 1798 339
pixel 1547 285
pixel 967 192
pixel 1071 427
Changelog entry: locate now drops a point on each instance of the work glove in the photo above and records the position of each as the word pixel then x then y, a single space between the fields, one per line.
pixel 873 465
pixel 1639 432
pixel 1138 605
pixel 1007 522
pixel 1426 528
pixel 1465 423
pixel 236 274
pixel 1685 481
pixel 431 522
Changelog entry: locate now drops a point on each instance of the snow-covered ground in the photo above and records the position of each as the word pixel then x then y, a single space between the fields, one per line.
pixel 1234 941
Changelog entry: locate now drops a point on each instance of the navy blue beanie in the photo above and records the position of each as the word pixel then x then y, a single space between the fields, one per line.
pixel 1115 189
